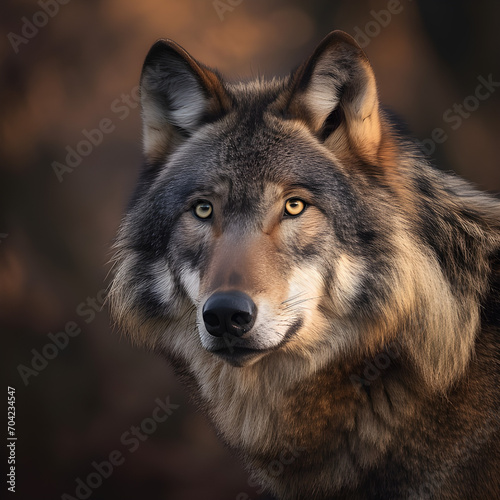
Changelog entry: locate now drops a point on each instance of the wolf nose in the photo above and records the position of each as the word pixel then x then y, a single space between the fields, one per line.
pixel 231 313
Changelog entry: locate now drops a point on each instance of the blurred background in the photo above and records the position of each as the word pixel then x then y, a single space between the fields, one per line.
pixel 71 67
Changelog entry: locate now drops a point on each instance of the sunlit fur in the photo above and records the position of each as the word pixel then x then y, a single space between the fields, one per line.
pixel 388 252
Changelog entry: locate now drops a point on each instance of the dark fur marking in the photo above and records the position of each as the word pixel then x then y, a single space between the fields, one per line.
pixel 490 312
pixel 332 123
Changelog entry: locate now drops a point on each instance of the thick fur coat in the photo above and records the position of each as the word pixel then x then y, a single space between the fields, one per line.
pixel 368 364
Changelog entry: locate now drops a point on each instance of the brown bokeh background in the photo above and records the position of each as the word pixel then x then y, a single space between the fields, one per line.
pixel 55 236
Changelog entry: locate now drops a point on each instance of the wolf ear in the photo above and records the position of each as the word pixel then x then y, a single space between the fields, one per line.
pixel 335 93
pixel 177 95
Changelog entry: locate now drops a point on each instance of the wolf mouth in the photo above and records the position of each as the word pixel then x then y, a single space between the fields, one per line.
pixel 238 356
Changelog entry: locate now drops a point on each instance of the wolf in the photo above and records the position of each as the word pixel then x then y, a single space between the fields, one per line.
pixel 330 299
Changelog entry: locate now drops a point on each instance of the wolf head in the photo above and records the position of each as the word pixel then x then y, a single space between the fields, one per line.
pixel 269 223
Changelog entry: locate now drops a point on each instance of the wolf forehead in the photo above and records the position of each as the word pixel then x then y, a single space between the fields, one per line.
pixel 253 144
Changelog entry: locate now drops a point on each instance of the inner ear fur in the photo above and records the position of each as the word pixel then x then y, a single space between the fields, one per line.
pixel 334 92
pixel 178 94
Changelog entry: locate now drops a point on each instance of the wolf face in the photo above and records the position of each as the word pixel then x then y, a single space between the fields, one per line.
pixel 250 225
pixel 281 217
pixel 281 229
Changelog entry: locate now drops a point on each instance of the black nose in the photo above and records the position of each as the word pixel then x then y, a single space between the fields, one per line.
pixel 230 313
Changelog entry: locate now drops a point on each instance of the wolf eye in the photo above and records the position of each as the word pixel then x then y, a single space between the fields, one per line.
pixel 294 207
pixel 203 210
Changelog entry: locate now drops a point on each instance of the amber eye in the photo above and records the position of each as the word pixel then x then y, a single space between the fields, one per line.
pixel 294 207
pixel 203 210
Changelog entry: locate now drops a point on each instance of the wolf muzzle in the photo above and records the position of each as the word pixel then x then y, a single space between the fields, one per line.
pixel 228 317
pixel 229 313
